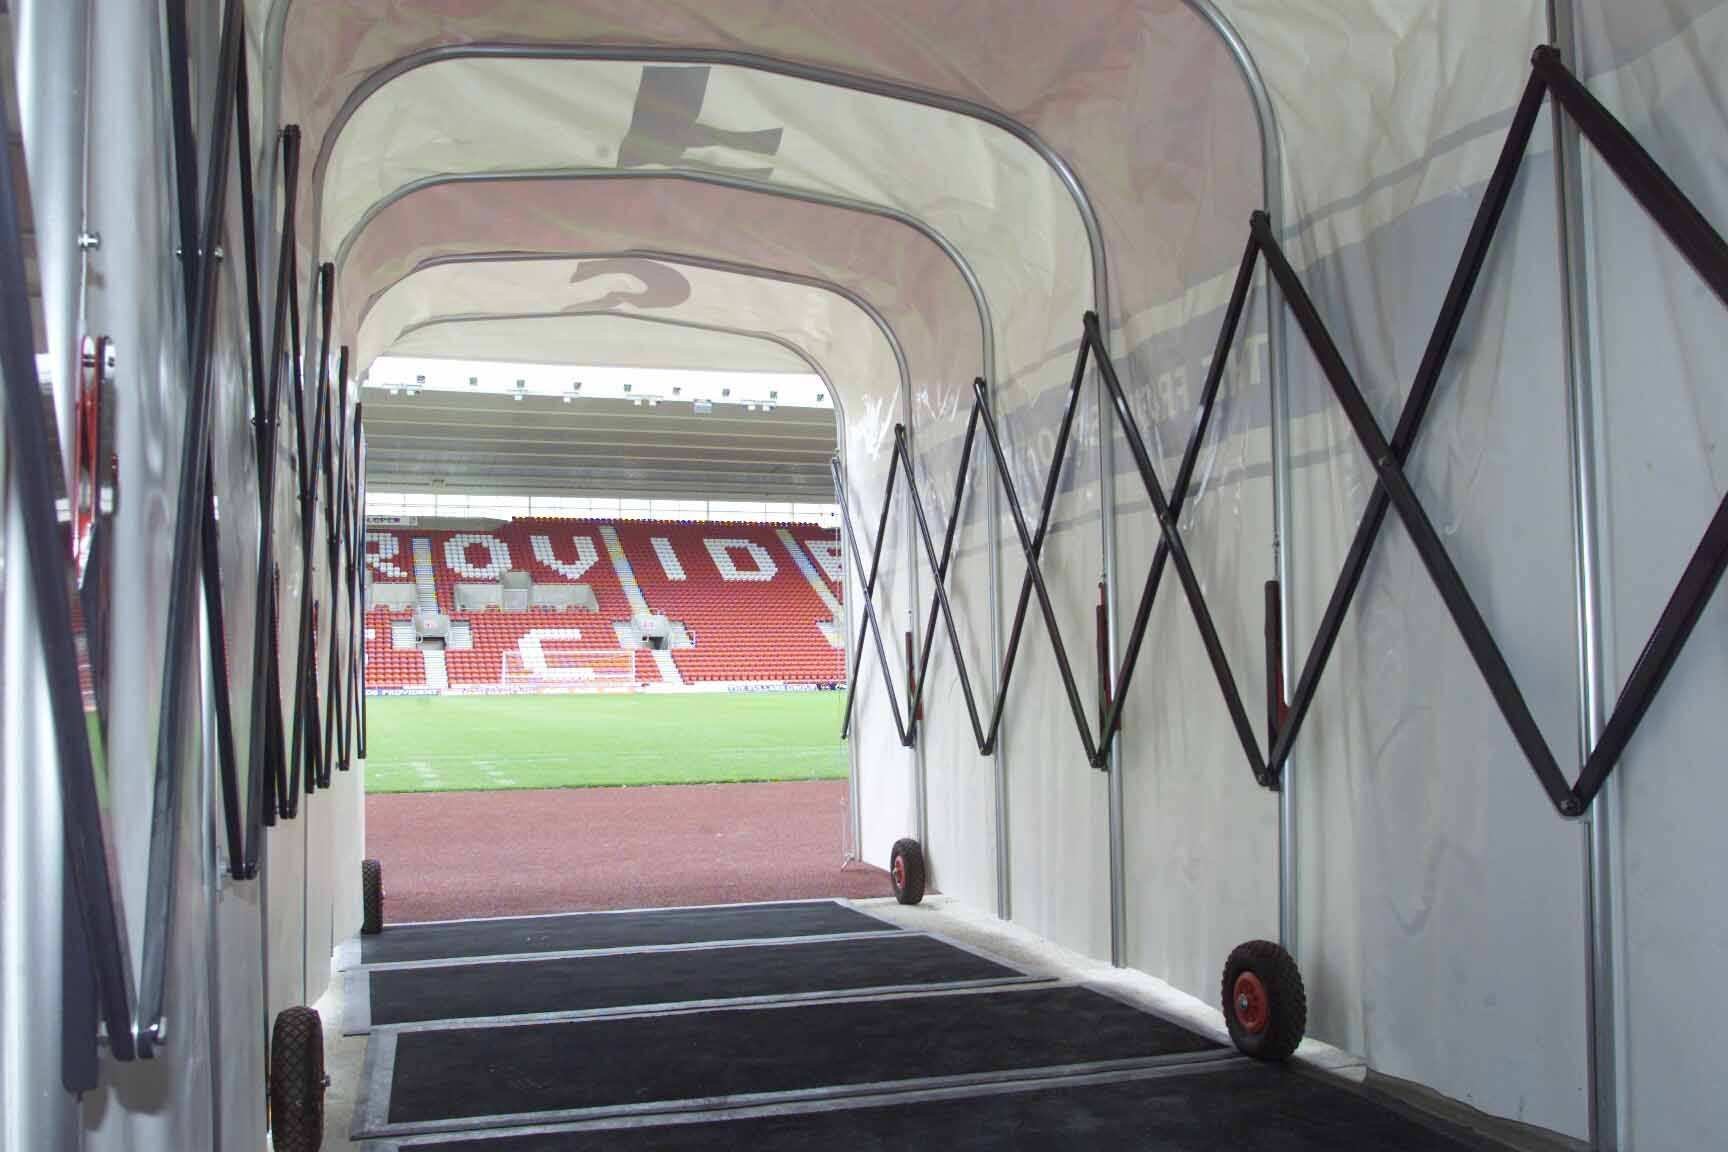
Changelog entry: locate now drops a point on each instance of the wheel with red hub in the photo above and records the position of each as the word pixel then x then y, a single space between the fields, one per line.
pixel 1265 1004
pixel 906 870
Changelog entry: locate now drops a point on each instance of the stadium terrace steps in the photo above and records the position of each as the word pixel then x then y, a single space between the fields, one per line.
pixel 667 666
pixel 437 671
pixel 817 584
pixel 425 589
pixel 621 565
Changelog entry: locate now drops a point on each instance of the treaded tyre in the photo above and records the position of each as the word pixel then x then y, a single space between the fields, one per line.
pixel 1265 1004
pixel 371 897
pixel 297 1081
pixel 906 869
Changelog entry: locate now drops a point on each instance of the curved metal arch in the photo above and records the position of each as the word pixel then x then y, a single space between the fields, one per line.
pixel 752 61
pixel 1271 144
pixel 986 322
pixel 761 272
pixel 1271 147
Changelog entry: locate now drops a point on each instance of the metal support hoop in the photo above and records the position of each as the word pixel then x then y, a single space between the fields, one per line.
pixel 756 270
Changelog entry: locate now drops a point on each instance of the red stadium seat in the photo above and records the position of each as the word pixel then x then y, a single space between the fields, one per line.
pixel 744 598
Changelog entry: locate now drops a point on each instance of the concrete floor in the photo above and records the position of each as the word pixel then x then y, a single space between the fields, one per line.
pixel 343 1058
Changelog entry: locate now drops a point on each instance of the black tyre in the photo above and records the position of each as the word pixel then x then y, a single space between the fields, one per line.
pixel 1265 1004
pixel 371 897
pixel 906 869
pixel 297 1081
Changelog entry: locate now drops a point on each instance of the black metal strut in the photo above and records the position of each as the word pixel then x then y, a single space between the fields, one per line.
pixel 360 566
pixel 304 757
pixel 192 531
pixel 263 761
pixel 290 796
pixel 268 757
pixel 356 540
pixel 1703 247
pixel 335 481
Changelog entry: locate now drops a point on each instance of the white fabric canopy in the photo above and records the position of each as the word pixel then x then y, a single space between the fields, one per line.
pixel 826 327
pixel 895 268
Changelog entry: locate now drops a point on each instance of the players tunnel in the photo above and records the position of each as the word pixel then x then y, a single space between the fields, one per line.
pixel 1008 241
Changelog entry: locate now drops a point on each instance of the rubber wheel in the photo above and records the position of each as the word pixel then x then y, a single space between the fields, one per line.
pixel 297 1081
pixel 371 897
pixel 1265 1004
pixel 906 869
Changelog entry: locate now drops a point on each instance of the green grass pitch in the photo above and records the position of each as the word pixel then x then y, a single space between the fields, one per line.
pixel 458 743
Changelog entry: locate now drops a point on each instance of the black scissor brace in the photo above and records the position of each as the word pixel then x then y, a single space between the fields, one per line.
pixel 200 231
pixel 1702 246
pixel 1032 544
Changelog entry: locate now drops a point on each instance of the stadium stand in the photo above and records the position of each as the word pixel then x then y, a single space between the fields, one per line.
pixel 740 593
pixel 744 603
pixel 386 665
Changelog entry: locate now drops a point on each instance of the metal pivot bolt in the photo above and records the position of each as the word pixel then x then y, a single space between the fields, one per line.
pixel 89 241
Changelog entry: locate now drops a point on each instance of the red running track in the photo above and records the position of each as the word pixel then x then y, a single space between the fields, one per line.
pixel 451 855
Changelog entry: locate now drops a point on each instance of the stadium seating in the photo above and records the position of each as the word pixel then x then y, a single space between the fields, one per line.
pixel 823 547
pixel 750 606
pixel 386 665
pixel 746 604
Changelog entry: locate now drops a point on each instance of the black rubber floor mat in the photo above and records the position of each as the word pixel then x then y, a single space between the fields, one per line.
pixel 583 983
pixel 1236 1108
pixel 452 1077
pixel 582 930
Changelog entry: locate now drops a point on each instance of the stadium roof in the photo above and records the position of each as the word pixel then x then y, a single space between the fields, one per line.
pixel 475 443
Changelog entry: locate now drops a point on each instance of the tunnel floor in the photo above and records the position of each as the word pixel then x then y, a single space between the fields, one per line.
pixel 801 1025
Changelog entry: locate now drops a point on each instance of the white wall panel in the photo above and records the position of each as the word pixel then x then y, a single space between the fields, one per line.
pixel 1659 341
pixel 962 784
pixel 1461 870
